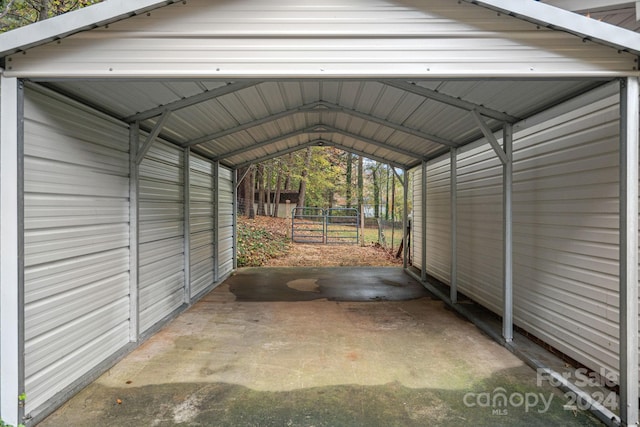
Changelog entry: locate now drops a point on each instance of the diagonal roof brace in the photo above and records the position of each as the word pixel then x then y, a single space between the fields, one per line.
pixel 451 100
pixel 395 172
pixel 244 175
pixel 192 100
pixel 152 136
pixel 490 137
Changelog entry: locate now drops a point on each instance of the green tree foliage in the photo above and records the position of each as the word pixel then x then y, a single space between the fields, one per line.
pixel 18 13
pixel 327 182
pixel 323 177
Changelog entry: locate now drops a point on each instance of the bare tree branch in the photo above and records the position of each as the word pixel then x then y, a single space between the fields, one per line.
pixel 7 9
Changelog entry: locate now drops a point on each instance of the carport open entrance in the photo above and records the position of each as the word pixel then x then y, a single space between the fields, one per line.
pixel 122 138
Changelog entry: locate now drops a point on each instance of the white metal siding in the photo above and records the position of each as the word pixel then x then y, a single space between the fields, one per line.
pixel 309 38
pixel 480 225
pixel 201 224
pixel 226 238
pixel 161 233
pixel 565 216
pixel 439 218
pixel 565 221
pixel 416 220
pixel 76 242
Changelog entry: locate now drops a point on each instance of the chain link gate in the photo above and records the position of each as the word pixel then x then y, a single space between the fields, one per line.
pixel 333 225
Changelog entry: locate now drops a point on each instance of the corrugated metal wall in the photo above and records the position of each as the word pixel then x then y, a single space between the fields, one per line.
pixel 77 305
pixel 76 242
pixel 225 222
pixel 439 218
pixel 565 213
pixel 480 225
pixel 161 233
pixel 201 223
pixel 416 217
pixel 565 221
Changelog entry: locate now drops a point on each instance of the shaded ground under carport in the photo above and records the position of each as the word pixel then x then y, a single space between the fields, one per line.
pixel 319 347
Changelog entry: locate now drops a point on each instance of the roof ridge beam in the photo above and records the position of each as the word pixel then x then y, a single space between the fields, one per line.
pixel 318 128
pixel 192 100
pixel 323 143
pixel 450 100
pixel 328 107
pixel 263 143
pixel 331 129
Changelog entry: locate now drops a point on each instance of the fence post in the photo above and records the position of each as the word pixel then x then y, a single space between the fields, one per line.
pixel 361 226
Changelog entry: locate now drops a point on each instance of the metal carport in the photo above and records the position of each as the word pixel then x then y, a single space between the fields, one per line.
pixel 169 98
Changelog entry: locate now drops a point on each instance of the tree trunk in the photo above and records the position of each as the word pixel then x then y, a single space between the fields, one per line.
pixel 287 179
pixel 268 188
pixel 303 178
pixel 393 207
pixel 260 182
pixel 276 198
pixel 43 10
pixel 252 194
pixel 376 191
pixel 386 199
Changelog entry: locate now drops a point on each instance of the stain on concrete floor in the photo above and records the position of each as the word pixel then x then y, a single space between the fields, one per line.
pixel 332 283
pixel 227 362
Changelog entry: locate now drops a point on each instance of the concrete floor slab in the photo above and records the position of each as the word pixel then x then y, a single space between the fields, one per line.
pixel 286 359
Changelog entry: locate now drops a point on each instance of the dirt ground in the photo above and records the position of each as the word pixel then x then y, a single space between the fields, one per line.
pixel 322 255
pixel 318 255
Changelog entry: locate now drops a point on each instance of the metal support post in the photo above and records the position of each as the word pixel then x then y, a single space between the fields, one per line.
pixel 12 250
pixel 405 220
pixel 134 300
pixel 453 289
pixel 234 175
pixel 629 128
pixel 187 224
pixel 507 190
pixel 216 222
pixel 423 189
